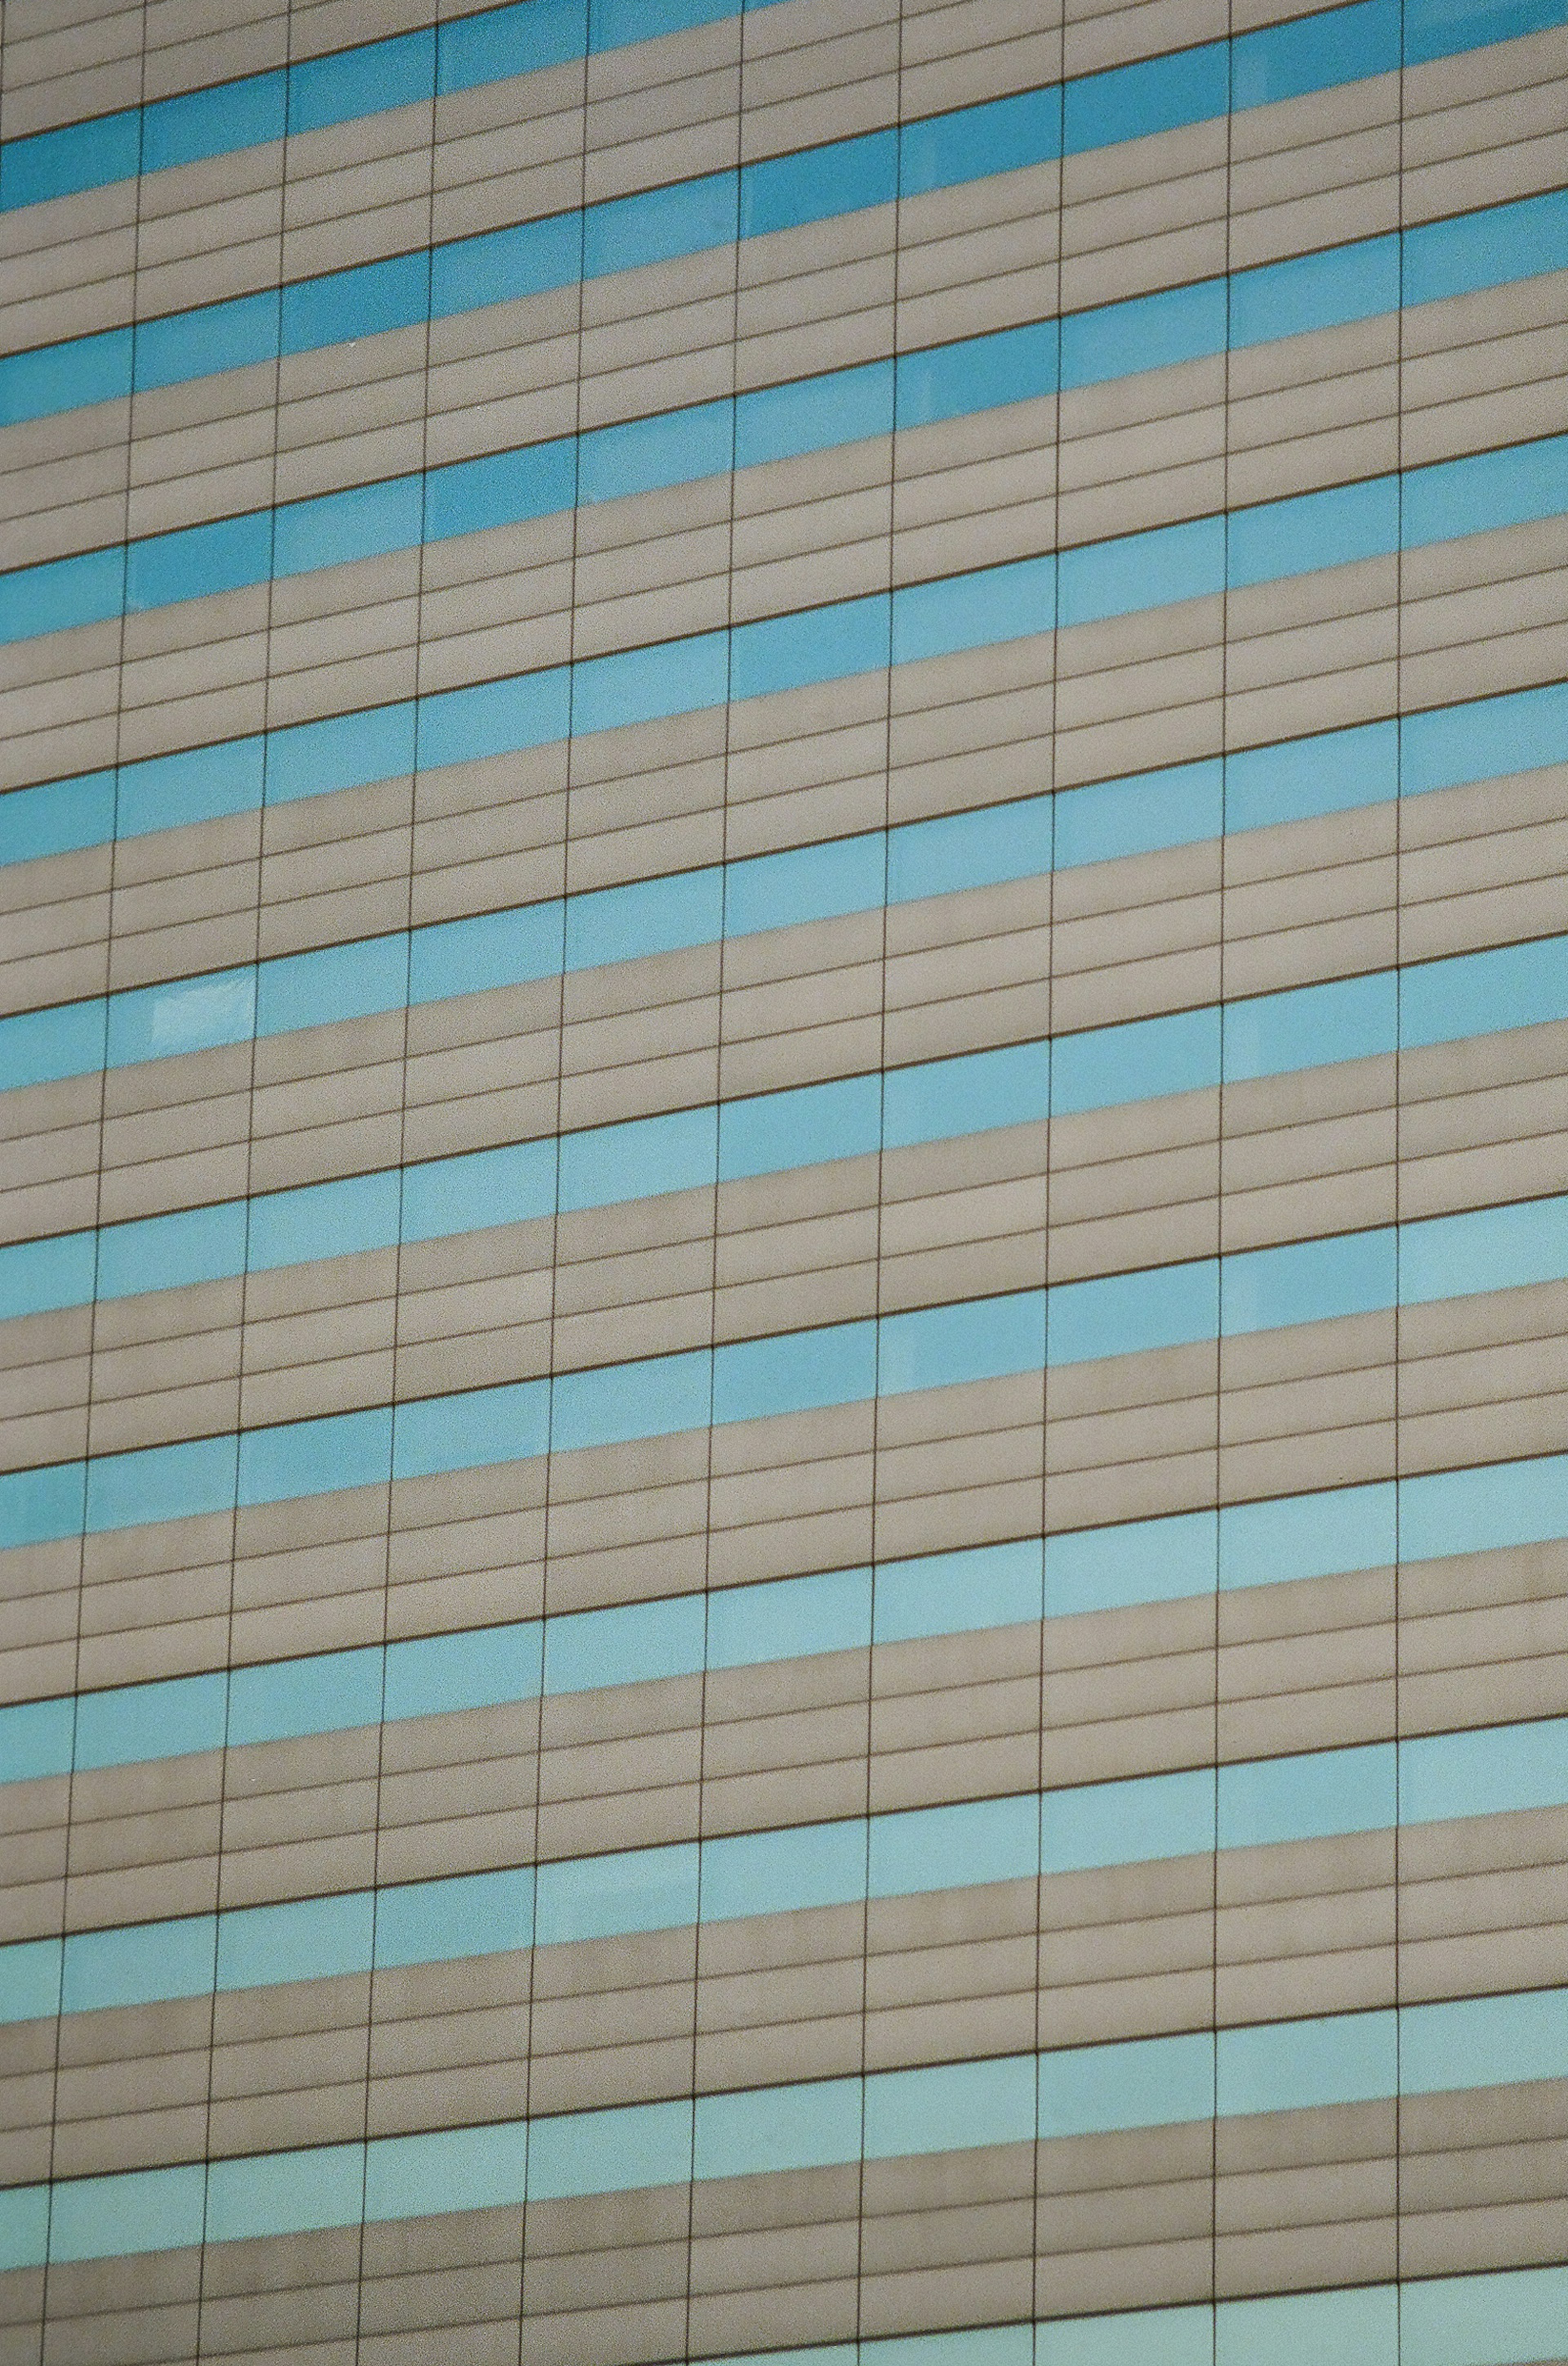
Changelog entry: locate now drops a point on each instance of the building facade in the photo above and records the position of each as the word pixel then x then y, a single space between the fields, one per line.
pixel 784 1535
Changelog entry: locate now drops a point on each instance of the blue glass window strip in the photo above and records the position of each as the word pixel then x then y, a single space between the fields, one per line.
pixel 685 909
pixel 1497 245
pixel 1313 52
pixel 941 2108
pixel 1483 1249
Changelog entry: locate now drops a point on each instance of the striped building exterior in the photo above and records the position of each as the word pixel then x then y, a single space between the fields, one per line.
pixel 784 1500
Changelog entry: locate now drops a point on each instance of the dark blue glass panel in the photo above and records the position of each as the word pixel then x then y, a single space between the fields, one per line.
pixel 783 192
pixel 796 1372
pixel 1127 1314
pixel 1313 52
pixel 1000 136
pixel 941 1347
pixel 361 302
pixel 218 337
pixel 473 1430
pixel 343 752
pixel 1328 529
pixel 63 378
pixel 199 561
pixel 316 989
pixel 198 123
pixel 684 218
pixel 499 42
pixel 57 817
pixel 1309 1281
pixel 363 81
pixel 1314 291
pixel 1146 332
pixel 76 156
pixel 502 265
pixel 63 592
pixel 840 406
pixel 315 1458
pixel 1156 95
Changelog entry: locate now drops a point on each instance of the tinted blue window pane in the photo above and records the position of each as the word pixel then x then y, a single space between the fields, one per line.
pixel 29 1984
pixel 156 1022
pixel 477 1914
pixel 777 2128
pixel 1310 1026
pixel 1310 1282
pixel 1000 137
pixel 492 950
pixel 210 122
pixel 323 1220
pixel 1308 1536
pixel 1486 2320
pixel 59 378
pixel 329 1693
pixel 795 1373
pixel 140 1964
pixel 601 1897
pixel 169 791
pixel 1174 808
pixel 142 2210
pixel 451 2169
pixel 1149 331
pixel 1488 735
pixel 338 527
pixel 1354 2328
pixel 648 916
pixel 1129 102
pixel 57 816
pixel 784 191
pixel 600 2152
pixel 1011 365
pixel 36 1737
pixel 337 981
pixel 312 1457
pixel 1452 258
pixel 38 1276
pixel 1470 1510
pixel 362 303
pixel 498 42
pixel 471 1430
pixel 502 489
pixel 1142 1561
pixel 197 561
pixel 969 612
pixel 1308 1797
pixel 1124 1824
pixel 342 752
pixel 973 849
pixel 667 449
pixel 809 883
pixel 1143 570
pixel 38 1504
pixel 1125 1313
pixel 816 645
pixel 778 1130
pixel 161 1482
pixel 941 1346
pixel 1314 291
pixel 509 1186
pixel 76 156
pixel 1493 1772
pixel 281 2193
pixel 638 1643
pixel 779 1873
pixel 840 406
pixel 1329 529
pixel 1341 45
pixel 1153 2082
pixel 1491 1248
pixel 957 1593
pixel 440 1674
pixel 650 1398
pixel 617 23
pixel 1491 489
pixel 1105 1065
pixel 950 2107
pixel 1434 28
pixel 65 591
pixel 503 263
pixel 1517 986
pixel 1484 2042
pixel 1327 773
pixel 1297 2065
pixel 790 1618
pixel 157 1721
pixel 309 1938
pixel 217 337
pixel 639 1158
pixel 682 219
pixel 952 1848
pixel 361 81
pixel 967 1095
pixel 640 685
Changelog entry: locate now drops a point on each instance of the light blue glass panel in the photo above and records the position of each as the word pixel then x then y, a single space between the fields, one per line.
pixel 488 950
pixel 1308 1797
pixel 323 1220
pixel 57 816
pixel 641 685
pixel 498 42
pixel 782 1872
pixel 795 1372
pixel 1137 1061
pixel 652 1398
pixel 1516 985
pixel 36 1736
pixel 199 784
pixel 471 1430
pixel 80 590
pixel 1297 2065
pixel 1137 1561
pixel 1499 2041
pixel 941 1347
pixel 502 488
pixel 978 1090
pixel 74 157
pixel 198 560
pixel 1312 1026
pixel 159 1022
pixel 970 611
pixel 335 982
pixel 782 192
pixel 1472 1511
pixel 1173 2337
pixel 1157 95
pixel 1487 1249
pixel 947 381
pixel 1308 1536
pixel 1309 1281
pixel 811 646
pixel 609 2152
pixel 1340 45
pixel 216 337
pixel 171 1251
pixel 1149 2084
pixel 314 1458
pixel 161 1483
pixel 38 1504
pixel 59 378
pixel 362 302
pixel 140 2210
pixel 954 1847
pixel 1177 807
pixel 766 2129
pixel 473 1914
pixel 1498 1770
pixel 457 727
pixel 326 1693
pixel 1001 136
pixel 285 2192
pixel 446 2169
pixel 199 123
pixel 1147 332
pixel 143 1964
pixel 789 1617
pixel 670 448
pixel 36 1046
pixel 972 850
pixel 502 263
pixel 1127 1314
pixel 362 81
pixel 1353 2329
pixel 992 2345
pixel 1486 490
pixel 635 1160
pixel 484 1188
pixel 29 1980
pixel 1327 529
pixel 682 218
pixel 1314 291
pixel 1452 258
pixel 335 528
pixel 773 1132
pixel 40 1276
pixel 305 1939
pixel 808 883
pixel 776 423
pixel 638 1642
pixel 1497 2320
pixel 152 1720
pixel 958 1592
pixel 951 2107
pixel 434 1674
pixel 1144 570
pixel 1485 737
pixel 1127 1823
pixel 1329 772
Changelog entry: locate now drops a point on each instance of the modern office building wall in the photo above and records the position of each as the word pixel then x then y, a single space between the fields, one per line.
pixel 784 1506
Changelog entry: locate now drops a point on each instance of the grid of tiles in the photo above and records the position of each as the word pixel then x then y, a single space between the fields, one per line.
pixel 784 1232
